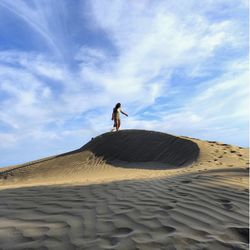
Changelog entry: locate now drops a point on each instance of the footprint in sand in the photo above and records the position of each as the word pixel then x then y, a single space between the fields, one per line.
pixel 122 231
pixel 118 234
pixel 167 207
pixel 226 203
pixel 186 181
pixel 224 200
pixel 182 194
pixel 165 229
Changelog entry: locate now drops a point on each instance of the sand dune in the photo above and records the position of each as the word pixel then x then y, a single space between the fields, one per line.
pixel 138 146
pixel 97 198
pixel 125 149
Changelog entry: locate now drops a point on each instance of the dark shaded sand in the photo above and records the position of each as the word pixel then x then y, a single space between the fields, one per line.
pixel 184 212
pixel 140 146
pixel 128 148
pixel 85 200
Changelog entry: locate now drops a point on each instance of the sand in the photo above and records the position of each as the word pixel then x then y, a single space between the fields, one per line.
pixel 86 200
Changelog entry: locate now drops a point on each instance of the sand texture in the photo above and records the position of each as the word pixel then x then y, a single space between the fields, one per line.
pixel 129 190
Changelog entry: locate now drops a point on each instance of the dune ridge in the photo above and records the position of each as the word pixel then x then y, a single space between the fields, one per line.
pixel 127 148
pixel 79 200
pixel 144 146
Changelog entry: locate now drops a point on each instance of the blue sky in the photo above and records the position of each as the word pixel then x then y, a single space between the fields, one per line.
pixel 176 66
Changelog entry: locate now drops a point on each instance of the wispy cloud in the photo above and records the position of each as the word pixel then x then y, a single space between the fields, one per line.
pixel 177 66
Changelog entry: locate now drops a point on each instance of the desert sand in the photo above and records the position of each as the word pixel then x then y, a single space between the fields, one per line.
pixel 130 189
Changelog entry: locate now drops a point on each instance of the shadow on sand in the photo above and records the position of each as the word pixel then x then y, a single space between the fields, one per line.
pixel 189 211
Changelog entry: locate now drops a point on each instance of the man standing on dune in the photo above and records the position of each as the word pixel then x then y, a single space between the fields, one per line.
pixel 116 117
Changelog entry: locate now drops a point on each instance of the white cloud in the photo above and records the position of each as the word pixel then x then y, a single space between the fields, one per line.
pixel 151 41
pixel 218 110
pixel 90 56
pixel 47 19
pixel 32 17
pixel 34 63
pixel 31 104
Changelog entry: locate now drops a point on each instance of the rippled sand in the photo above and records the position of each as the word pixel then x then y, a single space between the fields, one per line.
pixel 95 205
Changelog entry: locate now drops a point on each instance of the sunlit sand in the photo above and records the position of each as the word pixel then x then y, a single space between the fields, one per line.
pixel 131 189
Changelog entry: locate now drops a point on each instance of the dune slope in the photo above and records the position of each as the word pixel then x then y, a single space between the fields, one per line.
pixel 127 148
pixel 144 146
pixel 85 200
